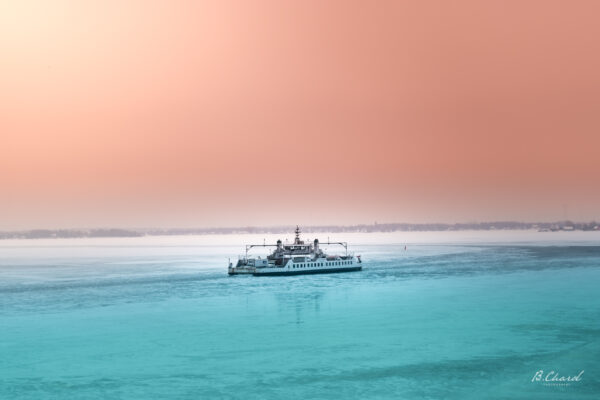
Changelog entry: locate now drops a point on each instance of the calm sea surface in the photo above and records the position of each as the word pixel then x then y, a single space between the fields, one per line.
pixel 458 315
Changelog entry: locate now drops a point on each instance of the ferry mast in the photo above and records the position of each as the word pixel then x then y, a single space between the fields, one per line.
pixel 297 240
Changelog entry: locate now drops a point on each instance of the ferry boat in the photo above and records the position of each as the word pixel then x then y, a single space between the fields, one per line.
pixel 298 258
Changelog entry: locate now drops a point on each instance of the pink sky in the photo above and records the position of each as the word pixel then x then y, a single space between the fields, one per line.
pixel 226 113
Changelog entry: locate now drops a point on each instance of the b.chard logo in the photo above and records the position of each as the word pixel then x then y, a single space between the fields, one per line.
pixel 554 378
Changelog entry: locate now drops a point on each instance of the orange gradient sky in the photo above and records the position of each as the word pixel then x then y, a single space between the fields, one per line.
pixel 229 113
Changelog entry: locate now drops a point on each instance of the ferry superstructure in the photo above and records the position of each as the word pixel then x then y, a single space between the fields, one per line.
pixel 298 258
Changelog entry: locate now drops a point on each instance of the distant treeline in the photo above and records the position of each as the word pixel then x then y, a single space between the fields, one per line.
pixel 392 227
pixel 69 233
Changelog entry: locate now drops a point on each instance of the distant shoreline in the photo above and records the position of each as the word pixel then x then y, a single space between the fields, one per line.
pixel 363 228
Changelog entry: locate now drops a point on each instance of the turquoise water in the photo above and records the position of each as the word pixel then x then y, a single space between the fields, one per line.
pixel 158 318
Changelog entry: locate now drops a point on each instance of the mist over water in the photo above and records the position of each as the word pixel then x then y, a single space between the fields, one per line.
pixel 455 315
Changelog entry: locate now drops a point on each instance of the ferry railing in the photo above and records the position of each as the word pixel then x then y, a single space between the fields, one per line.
pixel 250 246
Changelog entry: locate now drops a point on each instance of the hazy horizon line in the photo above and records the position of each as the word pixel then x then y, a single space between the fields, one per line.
pixel 249 229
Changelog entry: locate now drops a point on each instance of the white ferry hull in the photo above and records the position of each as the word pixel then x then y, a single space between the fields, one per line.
pixel 241 270
pixel 285 271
